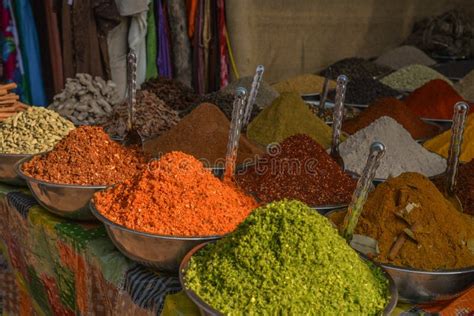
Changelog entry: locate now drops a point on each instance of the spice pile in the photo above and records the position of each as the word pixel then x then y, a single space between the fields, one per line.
pixel 355 68
pixel 32 131
pixel 9 104
pixel 434 100
pixel 152 117
pixel 286 259
pixel 298 168
pixel 447 35
pixel 303 84
pixel 404 56
pixel 412 77
pixel 288 115
pixel 87 156
pixel 402 154
pixel 466 86
pixel 395 109
pixel 440 144
pixel 327 114
pixel 204 134
pixel 265 96
pixel 175 196
pixel 413 224
pixel 225 102
pixel 364 90
pixel 86 100
pixel 455 70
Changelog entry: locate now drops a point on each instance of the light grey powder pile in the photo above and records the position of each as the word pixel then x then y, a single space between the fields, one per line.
pixel 402 153
pixel 404 56
pixel 266 93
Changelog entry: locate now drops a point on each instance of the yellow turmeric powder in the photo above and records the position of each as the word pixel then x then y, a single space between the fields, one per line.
pixel 442 234
pixel 440 143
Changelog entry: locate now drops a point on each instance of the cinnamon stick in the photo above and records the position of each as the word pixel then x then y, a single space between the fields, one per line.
pixel 8 86
pixel 400 242
pixel 10 96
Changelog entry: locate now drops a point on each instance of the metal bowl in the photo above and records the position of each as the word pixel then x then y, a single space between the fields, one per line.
pixel 8 174
pixel 427 287
pixel 66 200
pixel 205 309
pixel 324 209
pixel 160 252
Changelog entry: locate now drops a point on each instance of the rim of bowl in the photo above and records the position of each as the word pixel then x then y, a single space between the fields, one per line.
pixel 108 222
pixel 17 155
pixel 19 172
pixel 184 265
pixel 398 268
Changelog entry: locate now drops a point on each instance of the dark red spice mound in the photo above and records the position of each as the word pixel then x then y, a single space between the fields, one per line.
pixel 434 100
pixel 87 156
pixel 298 168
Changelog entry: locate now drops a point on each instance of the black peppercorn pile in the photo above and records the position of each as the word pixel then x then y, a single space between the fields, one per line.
pixel 355 68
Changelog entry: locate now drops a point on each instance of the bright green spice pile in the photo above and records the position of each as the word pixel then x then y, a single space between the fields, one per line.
pixel 285 258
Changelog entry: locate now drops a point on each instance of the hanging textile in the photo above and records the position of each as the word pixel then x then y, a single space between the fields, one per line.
pixel 30 51
pixel 214 59
pixel 151 68
pixel 164 56
pixel 192 9
pixel 180 45
pixel 198 51
pixel 224 54
pixel 12 63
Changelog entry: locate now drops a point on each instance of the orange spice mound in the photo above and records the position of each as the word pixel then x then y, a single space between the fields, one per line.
pixel 175 196
pixel 86 156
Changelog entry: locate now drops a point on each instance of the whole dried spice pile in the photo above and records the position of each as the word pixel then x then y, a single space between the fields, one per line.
pixel 32 131
pixel 440 144
pixel 286 259
pixel 86 100
pixel 87 156
pixel 298 168
pixel 415 226
pixel 152 117
pixel 288 115
pixel 355 68
pixel 434 100
pixel 412 77
pixel 303 84
pixel 204 134
pixel 175 196
pixel 395 109
pixel 402 56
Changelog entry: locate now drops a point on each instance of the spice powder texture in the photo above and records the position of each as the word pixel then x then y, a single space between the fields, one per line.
pixel 87 156
pixel 298 168
pixel 175 196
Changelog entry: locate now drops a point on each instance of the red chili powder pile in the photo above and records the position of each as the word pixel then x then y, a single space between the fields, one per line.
pixel 87 156
pixel 298 168
pixel 175 196
pixel 395 109
pixel 434 100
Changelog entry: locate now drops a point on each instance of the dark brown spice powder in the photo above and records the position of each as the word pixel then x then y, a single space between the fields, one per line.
pixel 298 168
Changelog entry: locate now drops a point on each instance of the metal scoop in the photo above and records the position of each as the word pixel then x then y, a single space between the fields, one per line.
pixel 338 116
pixel 359 197
pixel 234 132
pixel 253 93
pixel 457 130
pixel 132 136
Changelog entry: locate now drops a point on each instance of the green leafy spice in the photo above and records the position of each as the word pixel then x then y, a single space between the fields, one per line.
pixel 285 258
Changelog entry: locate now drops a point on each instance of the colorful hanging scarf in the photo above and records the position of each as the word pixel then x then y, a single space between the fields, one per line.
pixel 164 56
pixel 224 53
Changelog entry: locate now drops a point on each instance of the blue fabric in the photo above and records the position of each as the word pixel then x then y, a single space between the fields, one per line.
pixel 30 50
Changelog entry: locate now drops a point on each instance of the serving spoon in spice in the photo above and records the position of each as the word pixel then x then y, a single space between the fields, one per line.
pixel 132 136
pixel 236 123
pixel 457 132
pixel 338 116
pixel 257 79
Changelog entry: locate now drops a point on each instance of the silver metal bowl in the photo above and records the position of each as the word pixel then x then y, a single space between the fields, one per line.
pixel 206 309
pixel 8 174
pixel 427 287
pixel 160 252
pixel 324 209
pixel 66 200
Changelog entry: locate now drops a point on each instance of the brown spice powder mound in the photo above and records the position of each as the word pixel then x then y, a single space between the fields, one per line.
pixel 203 134
pixel 443 232
pixel 87 156
pixel 395 109
pixel 175 196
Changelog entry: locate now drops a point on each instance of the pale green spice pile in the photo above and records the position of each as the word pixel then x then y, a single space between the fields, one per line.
pixel 285 258
pixel 412 77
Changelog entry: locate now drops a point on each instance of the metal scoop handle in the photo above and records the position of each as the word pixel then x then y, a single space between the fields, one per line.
pixel 234 132
pixel 457 132
pixel 257 79
pixel 359 197
pixel 131 86
pixel 338 114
